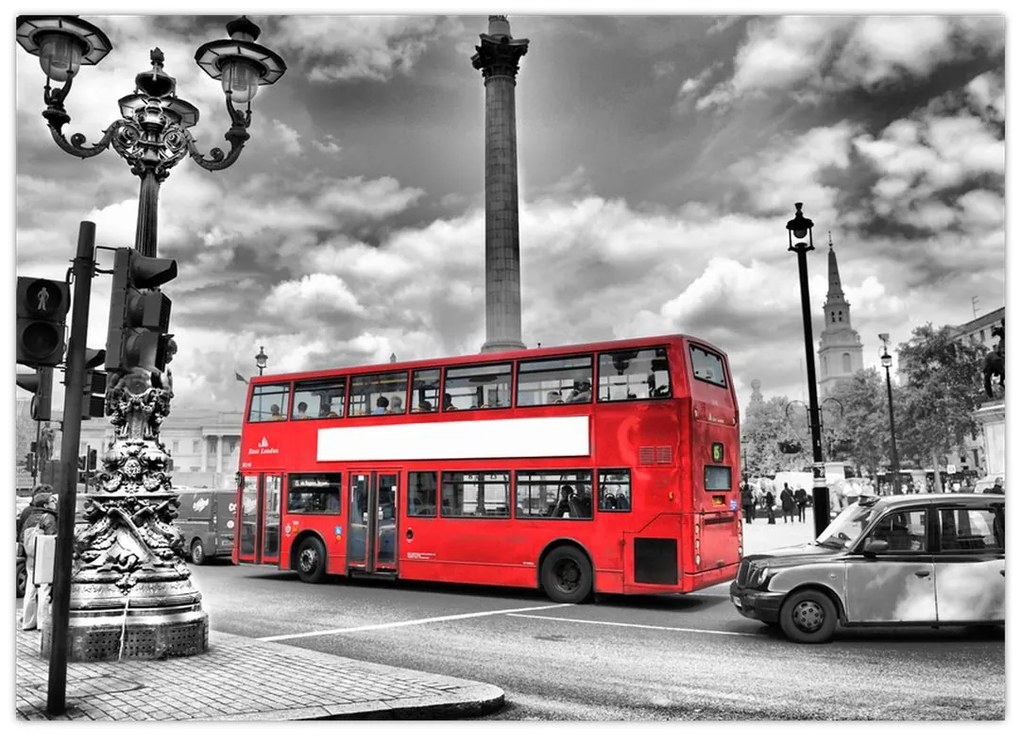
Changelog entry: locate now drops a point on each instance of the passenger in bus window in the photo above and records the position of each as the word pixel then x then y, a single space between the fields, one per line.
pixel 448 402
pixel 302 410
pixel 381 404
pixel 561 508
pixel 424 407
pixel 580 505
pixel 581 392
pixel 396 405
pixel 554 397
pixel 274 413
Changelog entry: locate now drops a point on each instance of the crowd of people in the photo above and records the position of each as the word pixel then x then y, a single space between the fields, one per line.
pixel 760 499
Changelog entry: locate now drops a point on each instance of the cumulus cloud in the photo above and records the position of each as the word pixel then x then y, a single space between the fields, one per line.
pixel 376 198
pixel 312 296
pixel 288 137
pixel 809 56
pixel 921 164
pixel 327 145
pixel 344 48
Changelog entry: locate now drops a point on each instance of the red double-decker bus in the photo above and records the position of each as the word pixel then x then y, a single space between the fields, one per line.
pixel 605 468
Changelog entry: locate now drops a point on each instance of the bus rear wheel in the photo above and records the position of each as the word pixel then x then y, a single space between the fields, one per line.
pixel 311 560
pixel 566 575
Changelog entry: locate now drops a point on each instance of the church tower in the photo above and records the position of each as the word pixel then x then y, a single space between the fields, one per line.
pixel 840 352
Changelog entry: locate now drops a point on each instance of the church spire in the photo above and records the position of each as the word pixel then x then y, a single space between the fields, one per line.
pixel 835 292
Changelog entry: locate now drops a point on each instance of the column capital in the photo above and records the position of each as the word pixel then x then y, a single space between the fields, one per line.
pixel 499 56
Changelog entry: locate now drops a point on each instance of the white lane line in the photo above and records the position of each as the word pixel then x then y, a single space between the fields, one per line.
pixel 405 623
pixel 636 625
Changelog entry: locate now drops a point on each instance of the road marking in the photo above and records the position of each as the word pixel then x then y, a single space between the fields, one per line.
pixel 405 623
pixel 636 625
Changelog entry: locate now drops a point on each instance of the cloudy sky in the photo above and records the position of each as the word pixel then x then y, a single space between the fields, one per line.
pixel 659 161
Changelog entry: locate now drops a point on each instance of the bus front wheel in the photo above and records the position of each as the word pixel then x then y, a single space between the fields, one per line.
pixel 566 575
pixel 311 560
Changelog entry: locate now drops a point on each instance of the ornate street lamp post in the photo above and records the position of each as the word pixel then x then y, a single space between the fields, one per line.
pixel 261 359
pixel 799 229
pixel 887 363
pixel 130 592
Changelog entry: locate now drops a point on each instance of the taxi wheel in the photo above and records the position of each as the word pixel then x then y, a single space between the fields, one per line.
pixel 566 575
pixel 311 560
pixel 808 616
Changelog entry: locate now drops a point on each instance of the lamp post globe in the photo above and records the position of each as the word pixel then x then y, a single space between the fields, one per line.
pixel 260 360
pixel 801 239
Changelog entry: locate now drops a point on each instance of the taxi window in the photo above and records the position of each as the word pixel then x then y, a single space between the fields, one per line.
pixel 904 531
pixel 970 531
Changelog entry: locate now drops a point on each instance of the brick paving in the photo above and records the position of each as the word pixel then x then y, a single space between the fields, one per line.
pixel 242 679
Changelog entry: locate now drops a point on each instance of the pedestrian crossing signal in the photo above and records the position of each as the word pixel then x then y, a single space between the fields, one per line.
pixel 42 309
pixel 139 312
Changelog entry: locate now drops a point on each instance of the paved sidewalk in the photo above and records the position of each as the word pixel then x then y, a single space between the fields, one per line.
pixel 242 679
pixel 761 536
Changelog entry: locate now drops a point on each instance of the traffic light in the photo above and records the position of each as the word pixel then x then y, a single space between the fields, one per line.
pixel 139 312
pixel 30 461
pixel 42 308
pixel 40 384
pixel 93 402
pixel 90 460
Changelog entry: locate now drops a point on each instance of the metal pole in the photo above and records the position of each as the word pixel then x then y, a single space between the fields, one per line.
pixel 35 455
pixel 820 491
pixel 74 388
pixel 892 432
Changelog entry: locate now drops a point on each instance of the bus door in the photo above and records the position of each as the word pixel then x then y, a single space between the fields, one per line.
pixel 372 522
pixel 259 522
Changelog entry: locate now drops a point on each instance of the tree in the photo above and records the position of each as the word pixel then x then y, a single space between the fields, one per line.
pixel 942 391
pixel 767 431
pixel 863 433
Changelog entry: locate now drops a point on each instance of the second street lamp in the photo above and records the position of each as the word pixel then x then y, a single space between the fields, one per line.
pixel 261 359
pixel 887 363
pixel 801 241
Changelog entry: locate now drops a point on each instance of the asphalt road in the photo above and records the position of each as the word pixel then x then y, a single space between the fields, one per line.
pixel 621 658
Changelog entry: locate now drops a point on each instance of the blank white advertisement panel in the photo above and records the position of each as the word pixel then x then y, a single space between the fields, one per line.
pixel 562 436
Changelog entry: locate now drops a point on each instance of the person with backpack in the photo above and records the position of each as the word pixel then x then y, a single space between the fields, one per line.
pixel 770 505
pixel 747 501
pixel 40 518
pixel 801 499
pixel 787 503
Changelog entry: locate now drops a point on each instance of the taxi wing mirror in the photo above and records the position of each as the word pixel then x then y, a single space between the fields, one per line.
pixel 874 545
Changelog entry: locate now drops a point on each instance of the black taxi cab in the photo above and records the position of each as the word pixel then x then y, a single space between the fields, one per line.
pixel 919 559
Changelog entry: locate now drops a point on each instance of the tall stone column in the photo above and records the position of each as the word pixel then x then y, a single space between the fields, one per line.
pixel 497 57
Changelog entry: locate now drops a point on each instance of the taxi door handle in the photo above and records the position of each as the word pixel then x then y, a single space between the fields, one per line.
pixel 922 573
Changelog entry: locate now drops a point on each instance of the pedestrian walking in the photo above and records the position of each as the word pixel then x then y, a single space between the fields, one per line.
pixel 800 497
pixel 786 502
pixel 770 505
pixel 747 502
pixel 38 519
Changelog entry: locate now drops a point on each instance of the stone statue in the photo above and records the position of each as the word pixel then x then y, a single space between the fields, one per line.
pixel 995 361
